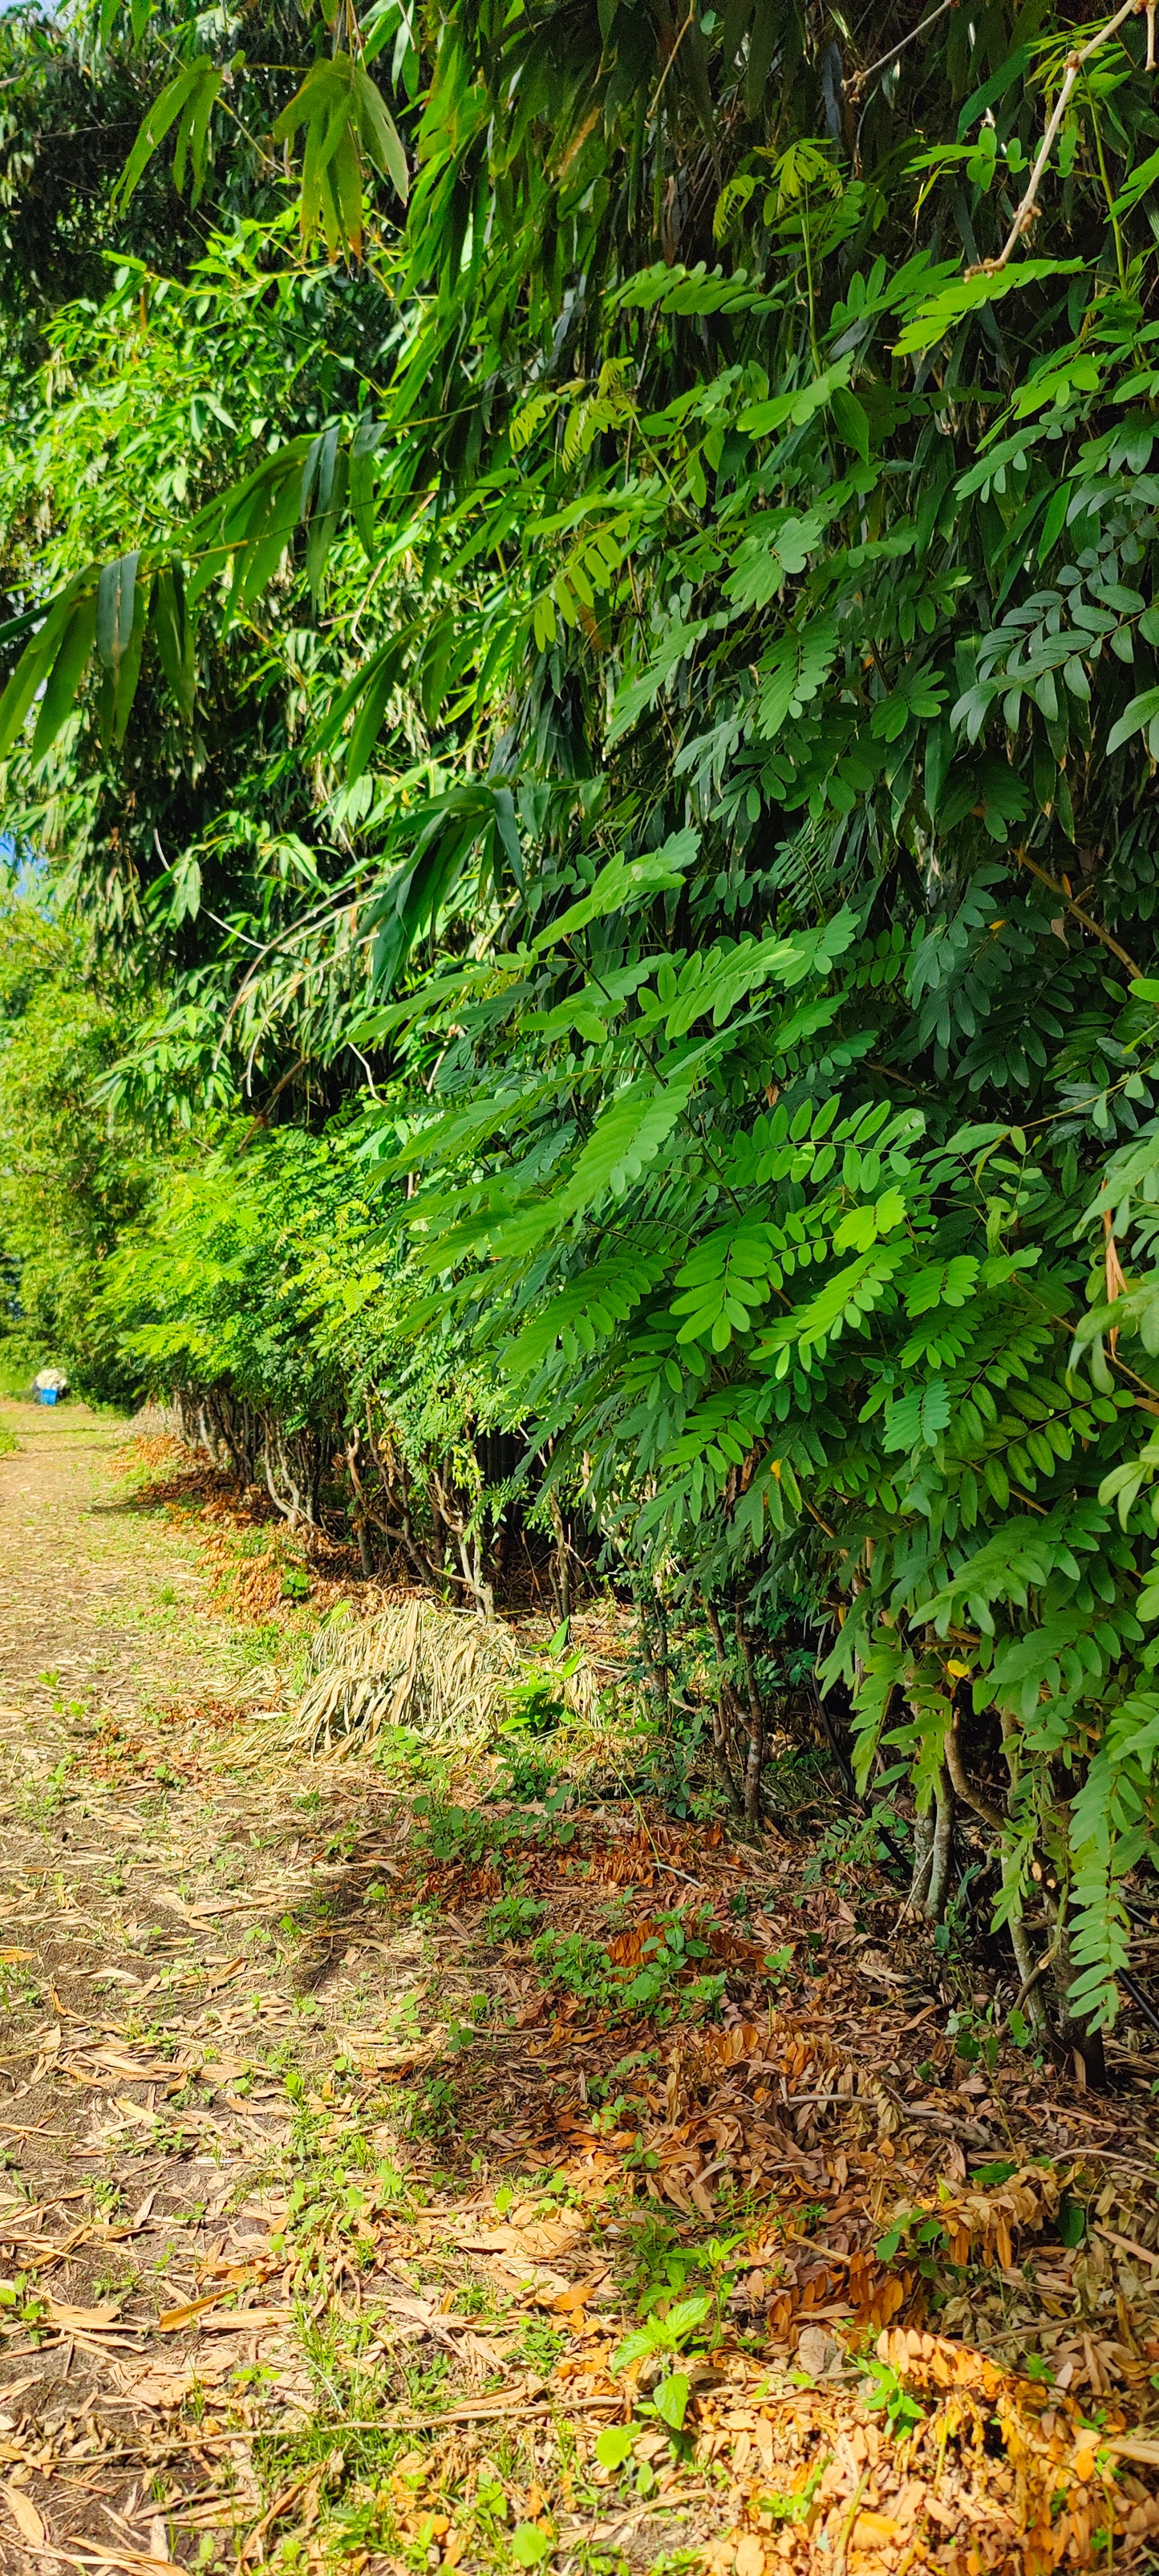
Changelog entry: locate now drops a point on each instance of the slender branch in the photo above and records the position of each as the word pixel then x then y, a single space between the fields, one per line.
pixel 263 1113
pixel 1138 1998
pixel 1053 887
pixel 857 84
pixel 1029 1983
pixel 969 1795
pixel 672 57
pixel 727 1708
pixel 942 1849
pixel 1025 209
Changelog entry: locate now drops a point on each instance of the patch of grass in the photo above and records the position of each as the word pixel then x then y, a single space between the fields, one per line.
pixel 19 1362
pixel 356 2486
pixel 540 2347
pixel 428 2109
pixel 19 1989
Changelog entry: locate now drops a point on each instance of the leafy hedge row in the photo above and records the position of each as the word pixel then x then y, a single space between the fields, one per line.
pixel 644 768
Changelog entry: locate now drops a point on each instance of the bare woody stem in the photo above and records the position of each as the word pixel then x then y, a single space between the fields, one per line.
pixel 1074 65
pixel 860 79
pixel 1068 902
pixel 756 1750
pixel 970 1795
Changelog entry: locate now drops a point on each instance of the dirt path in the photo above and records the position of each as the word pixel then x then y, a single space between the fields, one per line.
pixel 145 1875
pixel 351 2218
pixel 91 1593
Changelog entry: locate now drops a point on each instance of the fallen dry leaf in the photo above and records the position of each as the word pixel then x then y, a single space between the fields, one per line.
pixel 1124 2244
pixel 135 2558
pixel 171 2318
pixel 244 2320
pixel 59 2313
pixel 25 2516
pixel 1128 2446
pixel 875 2531
pixel 131 2110
pixel 545 2237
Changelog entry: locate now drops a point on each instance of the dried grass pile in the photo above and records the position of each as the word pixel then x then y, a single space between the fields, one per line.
pixel 415 1664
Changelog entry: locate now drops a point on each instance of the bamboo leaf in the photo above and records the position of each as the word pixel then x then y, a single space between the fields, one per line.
pixel 1135 718
pixel 37 659
pixel 367 439
pixel 128 666
pixel 378 131
pixel 377 690
pixel 116 595
pixel 64 680
pixel 339 109
pixel 174 633
pixel 200 80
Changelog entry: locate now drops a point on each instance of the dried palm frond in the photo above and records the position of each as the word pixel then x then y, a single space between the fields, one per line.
pixel 416 1664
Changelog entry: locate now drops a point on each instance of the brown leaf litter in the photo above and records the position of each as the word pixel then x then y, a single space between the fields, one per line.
pixel 300 2249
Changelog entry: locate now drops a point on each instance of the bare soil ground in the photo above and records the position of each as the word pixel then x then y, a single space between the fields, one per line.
pixel 339 2226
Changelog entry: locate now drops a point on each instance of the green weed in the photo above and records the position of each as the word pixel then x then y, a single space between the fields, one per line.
pixel 579 1966
pixel 796 2507
pixel 664 2266
pixel 887 2395
pixel 540 2347
pixel 427 2110
pixel 660 1985
pixel 512 1917
pixel 922 2239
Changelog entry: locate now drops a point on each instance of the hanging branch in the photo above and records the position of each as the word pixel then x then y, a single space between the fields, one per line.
pixel 860 79
pixel 1051 883
pixel 968 1792
pixel 1074 65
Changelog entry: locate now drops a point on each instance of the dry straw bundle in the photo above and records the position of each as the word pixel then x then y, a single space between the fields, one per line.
pixel 415 1664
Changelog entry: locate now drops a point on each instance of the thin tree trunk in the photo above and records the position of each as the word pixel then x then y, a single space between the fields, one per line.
pixel 754 1762
pixel 560 1559
pixel 726 1703
pixel 1088 2055
pixel 285 1510
pixel 1032 2000
pixel 1035 2008
pixel 361 1523
pixel 655 1658
pixel 941 1856
pixel 923 1860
